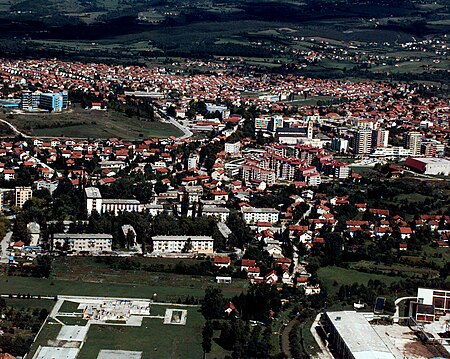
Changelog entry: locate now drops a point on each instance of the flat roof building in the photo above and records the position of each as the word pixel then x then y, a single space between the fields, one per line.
pixel 352 336
pixel 429 165
pixel 180 244
pixel 254 215
pixel 84 242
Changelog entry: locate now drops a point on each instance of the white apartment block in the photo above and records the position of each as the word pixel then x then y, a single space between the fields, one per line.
pixel 341 172
pixel 221 213
pixel 193 161
pixel 233 148
pixel 93 243
pixel 252 215
pixel 313 179
pixel 94 201
pixel 21 195
pixel 116 206
pixel 178 244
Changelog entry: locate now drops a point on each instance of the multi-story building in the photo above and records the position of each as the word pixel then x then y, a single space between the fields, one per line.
pixel 54 102
pixel 412 141
pixel 221 213
pixel 252 215
pixel 362 142
pixel 193 161
pixel 115 206
pixel 312 179
pixel 431 304
pixel 336 169
pixel 432 148
pixel 339 145
pixel 269 123
pixel 233 148
pixel 180 244
pixel 94 201
pixel 26 103
pixel 91 242
pixel 21 195
pixel 251 171
pixel 380 138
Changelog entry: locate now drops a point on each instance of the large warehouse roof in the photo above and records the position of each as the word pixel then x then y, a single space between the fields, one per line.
pixel 359 336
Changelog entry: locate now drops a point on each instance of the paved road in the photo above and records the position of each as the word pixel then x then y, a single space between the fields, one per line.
pixel 285 348
pixel 186 132
pixel 163 116
pixel 4 245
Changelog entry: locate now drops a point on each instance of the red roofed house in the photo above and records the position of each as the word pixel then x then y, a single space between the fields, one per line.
pixel 222 262
pixel 247 263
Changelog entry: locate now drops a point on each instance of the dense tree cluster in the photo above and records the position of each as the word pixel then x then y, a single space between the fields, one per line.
pixel 19 327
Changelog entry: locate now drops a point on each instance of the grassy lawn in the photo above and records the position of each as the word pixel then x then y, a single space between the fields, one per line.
pixel 216 350
pixel 439 256
pixel 412 197
pixel 72 321
pixel 29 303
pixel 168 286
pixel 49 331
pixel 169 290
pixel 92 124
pixel 69 307
pixel 309 342
pixel 153 338
pixel 396 268
pixel 329 275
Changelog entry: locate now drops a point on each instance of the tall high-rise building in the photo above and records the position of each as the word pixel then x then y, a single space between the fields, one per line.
pixel 380 137
pixel 362 142
pixel 412 141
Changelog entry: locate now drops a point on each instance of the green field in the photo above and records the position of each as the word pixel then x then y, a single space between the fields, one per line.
pixel 29 303
pixel 367 266
pixel 329 275
pixel 49 331
pixel 169 290
pixel 153 338
pixel 79 123
pixel 86 276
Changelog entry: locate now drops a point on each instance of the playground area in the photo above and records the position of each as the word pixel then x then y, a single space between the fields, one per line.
pixel 91 327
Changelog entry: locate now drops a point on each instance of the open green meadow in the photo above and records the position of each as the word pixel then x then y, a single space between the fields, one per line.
pixel 329 276
pixel 79 123
pixel 86 276
pixel 172 287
